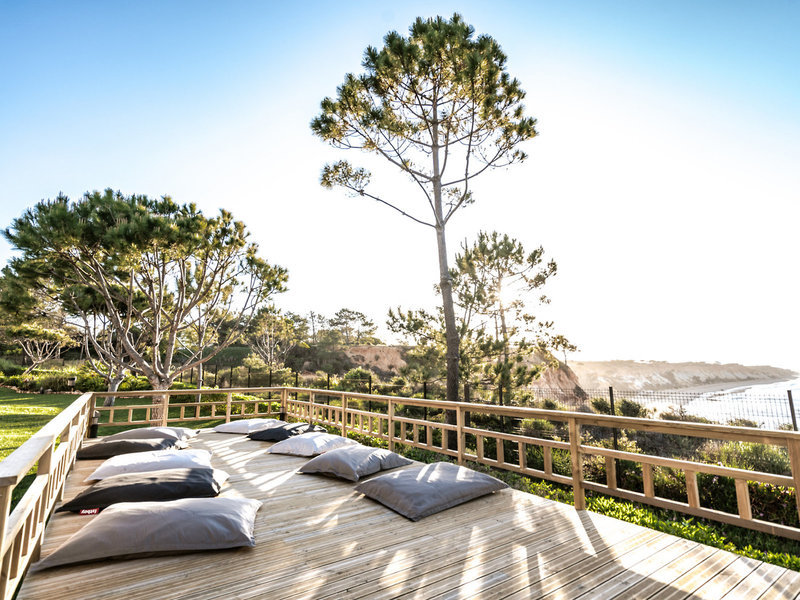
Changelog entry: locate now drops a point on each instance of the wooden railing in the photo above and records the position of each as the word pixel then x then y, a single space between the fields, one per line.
pixel 52 450
pixel 419 433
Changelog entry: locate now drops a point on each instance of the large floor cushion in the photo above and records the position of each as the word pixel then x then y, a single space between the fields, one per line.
pixel 422 491
pixel 144 433
pixel 167 484
pixel 141 462
pixel 109 448
pixel 354 462
pixel 133 529
pixel 245 426
pixel 284 431
pixel 310 444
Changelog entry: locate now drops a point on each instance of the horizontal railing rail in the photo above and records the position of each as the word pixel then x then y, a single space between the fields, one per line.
pixel 52 449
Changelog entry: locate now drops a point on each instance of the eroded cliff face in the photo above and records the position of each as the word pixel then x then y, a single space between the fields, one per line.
pixel 658 375
pixel 387 361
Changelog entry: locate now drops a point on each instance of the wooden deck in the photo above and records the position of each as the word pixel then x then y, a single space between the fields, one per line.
pixel 317 538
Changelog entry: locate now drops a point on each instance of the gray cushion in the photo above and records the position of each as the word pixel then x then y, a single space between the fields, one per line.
pixel 168 484
pixel 353 462
pixel 146 433
pixel 422 491
pixel 282 432
pixel 310 444
pixel 140 462
pixel 109 448
pixel 131 529
pixel 247 425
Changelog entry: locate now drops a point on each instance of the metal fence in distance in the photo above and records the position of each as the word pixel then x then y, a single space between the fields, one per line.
pixel 735 407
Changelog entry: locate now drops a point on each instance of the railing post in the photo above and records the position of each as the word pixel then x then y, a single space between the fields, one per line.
pixel 228 401
pixel 164 408
pixel 390 421
pixel 577 464
pixel 5 509
pixel 90 416
pixel 311 408
pixel 794 458
pixel 613 414
pixel 344 415
pixel 460 432
pixel 743 499
pixel 692 491
pixel 791 410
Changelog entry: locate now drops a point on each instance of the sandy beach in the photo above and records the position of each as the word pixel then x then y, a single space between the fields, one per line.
pixel 731 386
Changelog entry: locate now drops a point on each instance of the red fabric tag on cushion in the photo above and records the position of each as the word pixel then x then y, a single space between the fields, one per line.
pixel 89 511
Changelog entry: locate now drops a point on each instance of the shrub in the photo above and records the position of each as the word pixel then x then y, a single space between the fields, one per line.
pixel 8 367
pixel 541 428
pixel 755 457
pixel 630 408
pixel 601 406
pixel 742 423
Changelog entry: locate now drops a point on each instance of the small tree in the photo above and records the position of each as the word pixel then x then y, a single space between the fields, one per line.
pixel 272 335
pixel 496 280
pixel 171 282
pixel 441 108
pixel 354 326
pixel 492 280
pixel 31 321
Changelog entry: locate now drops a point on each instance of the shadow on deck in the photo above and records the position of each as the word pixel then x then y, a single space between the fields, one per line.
pixel 317 538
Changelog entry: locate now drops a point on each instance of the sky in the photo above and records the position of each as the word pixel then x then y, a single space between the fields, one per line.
pixel 665 180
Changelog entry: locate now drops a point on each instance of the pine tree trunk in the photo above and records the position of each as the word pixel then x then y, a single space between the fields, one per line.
pixel 445 282
pixel 451 335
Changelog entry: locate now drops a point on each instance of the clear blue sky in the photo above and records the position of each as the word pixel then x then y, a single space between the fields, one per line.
pixel 665 181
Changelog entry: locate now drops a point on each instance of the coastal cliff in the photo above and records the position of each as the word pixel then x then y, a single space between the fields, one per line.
pixel 659 375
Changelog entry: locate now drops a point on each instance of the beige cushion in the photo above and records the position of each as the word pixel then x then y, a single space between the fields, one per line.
pixel 310 444
pixel 133 529
pixel 148 433
pixel 246 426
pixel 140 462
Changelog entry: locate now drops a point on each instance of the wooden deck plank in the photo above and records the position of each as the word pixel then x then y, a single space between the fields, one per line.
pixel 487 543
pixel 786 586
pixel 640 571
pixel 492 586
pixel 429 581
pixel 317 538
pixel 758 582
pixel 662 578
pixel 622 564
pixel 544 579
pixel 696 577
pixel 727 579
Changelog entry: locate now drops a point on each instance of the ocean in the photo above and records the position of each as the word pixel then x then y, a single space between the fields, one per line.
pixel 765 404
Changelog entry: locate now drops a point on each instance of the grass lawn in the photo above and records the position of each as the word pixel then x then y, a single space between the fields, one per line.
pixel 23 414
